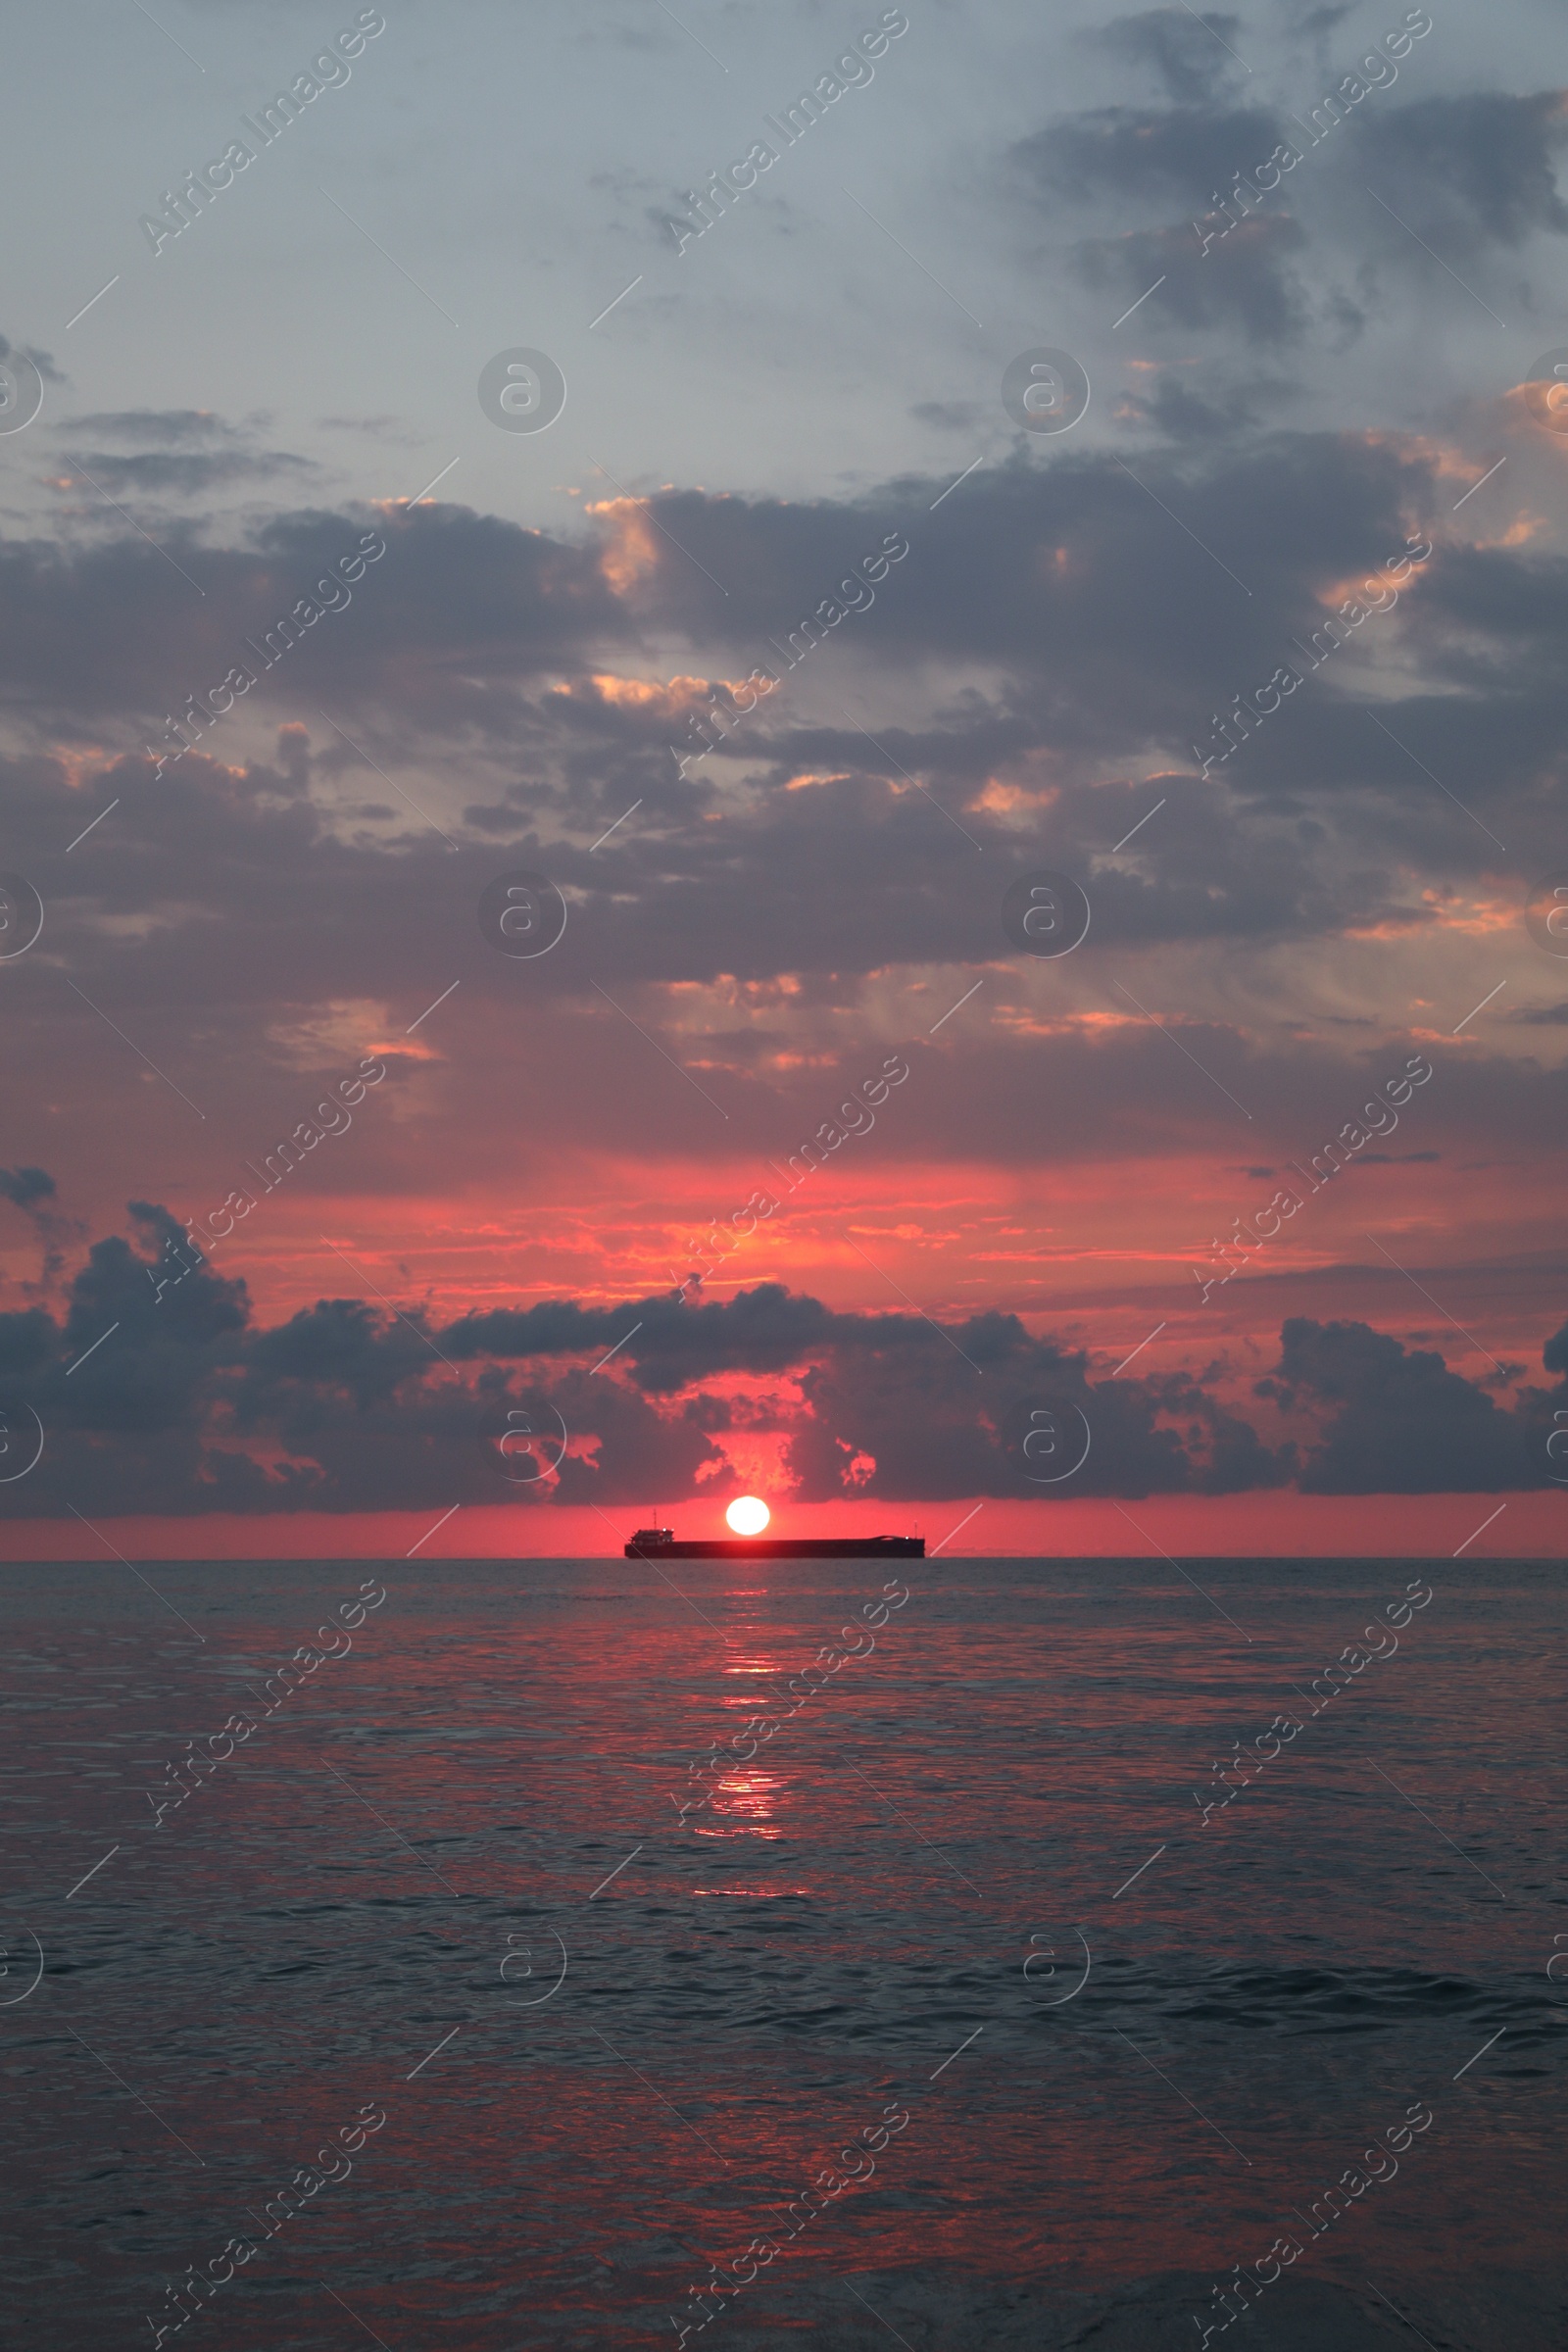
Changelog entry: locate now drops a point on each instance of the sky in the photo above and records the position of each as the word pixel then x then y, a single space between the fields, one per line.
pixel 1090 472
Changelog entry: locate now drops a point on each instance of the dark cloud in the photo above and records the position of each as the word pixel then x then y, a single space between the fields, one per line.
pixel 187 1405
pixel 1192 53
pixel 41 360
pixel 179 452
pixel 1463 172
pixel 1130 156
pixel 34 1192
pixel 161 428
pixel 185 475
pixel 270 908
pixel 1041 579
pixel 25 1185
pixel 454 595
pixel 170 1343
pixel 942 1414
pixel 1318 23
pixel 1395 1420
pixel 951 416
pixel 765 1330
pixel 1249 280
pixel 1077 637
pixel 1471 170
pixel 1215 407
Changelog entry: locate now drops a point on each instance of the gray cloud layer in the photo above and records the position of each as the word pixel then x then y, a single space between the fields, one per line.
pixel 191 1406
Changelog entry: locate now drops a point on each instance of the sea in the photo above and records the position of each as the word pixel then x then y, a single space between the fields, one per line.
pixel 477 1955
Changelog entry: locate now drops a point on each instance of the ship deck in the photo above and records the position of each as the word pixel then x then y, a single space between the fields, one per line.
pixel 784 1548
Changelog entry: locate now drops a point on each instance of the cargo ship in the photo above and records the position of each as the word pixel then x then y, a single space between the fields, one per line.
pixel 658 1544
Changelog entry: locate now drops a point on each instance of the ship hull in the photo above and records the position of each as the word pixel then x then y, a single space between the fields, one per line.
pixel 766 1548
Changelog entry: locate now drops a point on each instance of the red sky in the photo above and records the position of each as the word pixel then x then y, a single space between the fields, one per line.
pixel 1532 1525
pixel 1071 1143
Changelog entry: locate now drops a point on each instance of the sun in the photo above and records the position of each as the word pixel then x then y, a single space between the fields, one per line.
pixel 748 1515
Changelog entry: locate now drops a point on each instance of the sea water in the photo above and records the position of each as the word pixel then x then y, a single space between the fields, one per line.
pixel 603 1953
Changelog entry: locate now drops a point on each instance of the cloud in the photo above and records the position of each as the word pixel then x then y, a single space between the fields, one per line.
pixel 1214 408
pixel 948 416
pixel 937 1422
pixel 1141 155
pixel 1395 1420
pixel 183 474
pixel 1187 50
pixel 763 1330
pixel 34 1192
pixel 1026 688
pixel 1465 174
pixel 1474 170
pixel 1041 663
pixel 162 429
pixel 1088 626
pixel 1249 280
pixel 25 1185
pixel 41 360
pixel 159 1391
pixel 173 453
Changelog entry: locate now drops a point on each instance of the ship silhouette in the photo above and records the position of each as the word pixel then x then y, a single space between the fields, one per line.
pixel 659 1544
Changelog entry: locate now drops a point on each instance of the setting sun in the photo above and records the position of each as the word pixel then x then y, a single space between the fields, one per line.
pixel 748 1515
